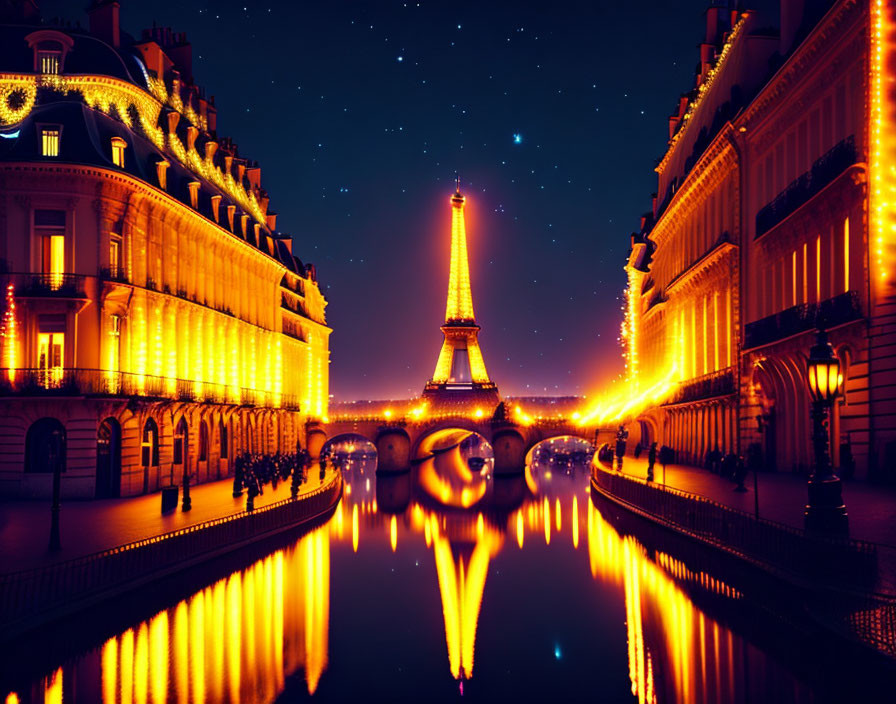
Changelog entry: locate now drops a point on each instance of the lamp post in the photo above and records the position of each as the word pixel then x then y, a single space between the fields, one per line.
pixel 54 451
pixel 825 512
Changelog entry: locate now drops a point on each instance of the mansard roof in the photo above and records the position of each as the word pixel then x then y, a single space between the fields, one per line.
pixel 88 130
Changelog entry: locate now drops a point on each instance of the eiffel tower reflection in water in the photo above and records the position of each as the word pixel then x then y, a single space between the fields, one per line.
pixel 266 629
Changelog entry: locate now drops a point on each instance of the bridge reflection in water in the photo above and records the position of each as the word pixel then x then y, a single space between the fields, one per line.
pixel 248 637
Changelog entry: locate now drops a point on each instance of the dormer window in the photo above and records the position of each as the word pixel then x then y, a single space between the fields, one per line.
pixel 194 194
pixel 162 173
pixel 118 147
pixel 50 136
pixel 49 61
pixel 50 48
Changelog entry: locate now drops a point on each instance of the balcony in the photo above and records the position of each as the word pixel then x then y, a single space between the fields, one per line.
pixel 823 172
pixel 101 382
pixel 116 274
pixel 718 383
pixel 830 313
pixel 293 306
pixel 49 285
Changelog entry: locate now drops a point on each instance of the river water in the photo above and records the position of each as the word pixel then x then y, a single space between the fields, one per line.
pixel 443 584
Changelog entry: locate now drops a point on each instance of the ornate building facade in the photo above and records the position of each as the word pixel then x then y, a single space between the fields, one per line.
pixel 768 225
pixel 155 320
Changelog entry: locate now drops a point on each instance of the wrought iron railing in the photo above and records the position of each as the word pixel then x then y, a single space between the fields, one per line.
pixel 718 383
pixel 31 285
pixel 823 171
pixel 859 570
pixel 295 306
pixel 786 548
pixel 840 309
pixel 101 382
pixel 25 594
pixel 115 273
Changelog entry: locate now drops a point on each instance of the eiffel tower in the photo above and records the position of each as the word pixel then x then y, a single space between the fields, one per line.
pixel 460 381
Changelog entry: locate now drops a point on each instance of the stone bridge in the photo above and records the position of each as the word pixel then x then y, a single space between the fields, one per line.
pixel 398 442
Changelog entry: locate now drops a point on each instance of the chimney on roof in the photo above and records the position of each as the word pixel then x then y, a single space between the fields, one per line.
pixel 792 12
pixel 254 176
pixel 180 51
pixel 105 21
pixel 14 12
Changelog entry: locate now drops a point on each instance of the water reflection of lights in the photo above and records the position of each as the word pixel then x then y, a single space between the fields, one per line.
pixel 665 629
pixel 233 642
pixel 239 639
pixel 448 475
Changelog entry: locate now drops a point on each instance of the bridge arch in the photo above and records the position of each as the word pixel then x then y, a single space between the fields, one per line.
pixel 445 425
pixel 586 444
pixel 350 438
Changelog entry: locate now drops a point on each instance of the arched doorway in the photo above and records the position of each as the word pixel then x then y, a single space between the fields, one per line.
pixel 202 455
pixel 45 448
pixel 108 459
pixel 149 450
pixel 181 447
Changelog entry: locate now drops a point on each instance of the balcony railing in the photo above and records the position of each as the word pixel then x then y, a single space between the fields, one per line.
pixel 100 382
pixel 115 273
pixel 46 285
pixel 807 316
pixel 823 171
pixel 718 383
pixel 296 306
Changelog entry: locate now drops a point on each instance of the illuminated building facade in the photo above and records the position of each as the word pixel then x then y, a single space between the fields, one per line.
pixel 155 321
pixel 774 216
pixel 460 378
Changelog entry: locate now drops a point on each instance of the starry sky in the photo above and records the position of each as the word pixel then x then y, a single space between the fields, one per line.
pixel 360 115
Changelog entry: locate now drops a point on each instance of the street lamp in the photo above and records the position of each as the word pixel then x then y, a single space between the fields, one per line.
pixel 825 512
pixel 54 453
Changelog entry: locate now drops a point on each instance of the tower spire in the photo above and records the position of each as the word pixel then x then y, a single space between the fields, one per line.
pixel 459 307
pixel 460 366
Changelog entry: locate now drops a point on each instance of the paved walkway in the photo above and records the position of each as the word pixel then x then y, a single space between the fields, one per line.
pixel 93 526
pixel 782 497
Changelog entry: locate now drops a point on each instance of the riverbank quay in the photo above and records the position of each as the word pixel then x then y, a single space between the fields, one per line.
pixel 33 597
pixel 782 497
pixel 847 583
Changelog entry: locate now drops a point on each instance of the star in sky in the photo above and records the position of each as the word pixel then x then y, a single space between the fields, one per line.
pixel 517 138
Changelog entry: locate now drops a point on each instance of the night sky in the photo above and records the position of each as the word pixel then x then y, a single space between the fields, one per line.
pixel 360 114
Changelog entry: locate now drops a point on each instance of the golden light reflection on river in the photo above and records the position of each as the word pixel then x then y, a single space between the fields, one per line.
pixel 240 638
pixel 234 641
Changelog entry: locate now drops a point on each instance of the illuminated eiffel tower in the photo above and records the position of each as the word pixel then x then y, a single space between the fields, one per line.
pixel 460 379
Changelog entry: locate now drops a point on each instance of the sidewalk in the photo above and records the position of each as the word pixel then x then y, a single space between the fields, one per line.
pixel 87 527
pixel 782 497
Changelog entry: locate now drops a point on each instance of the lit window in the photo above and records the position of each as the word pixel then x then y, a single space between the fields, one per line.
pixel 48 61
pixel 118 146
pixel 53 259
pixel 49 141
pixel 115 325
pixel 115 256
pixel 50 347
